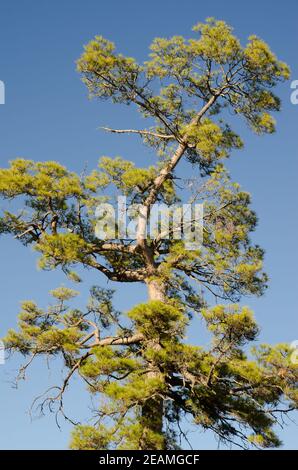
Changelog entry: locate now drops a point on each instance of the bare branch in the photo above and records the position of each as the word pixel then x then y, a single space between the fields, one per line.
pixel 140 132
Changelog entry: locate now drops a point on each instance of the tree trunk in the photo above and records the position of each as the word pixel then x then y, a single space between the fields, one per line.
pixel 152 410
pixel 156 290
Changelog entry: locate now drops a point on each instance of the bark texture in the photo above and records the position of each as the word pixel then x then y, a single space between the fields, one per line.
pixel 152 411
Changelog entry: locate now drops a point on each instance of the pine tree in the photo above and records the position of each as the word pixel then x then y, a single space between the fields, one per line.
pixel 147 378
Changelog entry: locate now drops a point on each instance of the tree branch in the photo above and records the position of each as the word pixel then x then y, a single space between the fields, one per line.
pixel 117 340
pixel 140 132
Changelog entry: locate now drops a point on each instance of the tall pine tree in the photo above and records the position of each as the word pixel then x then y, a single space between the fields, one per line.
pixel 146 376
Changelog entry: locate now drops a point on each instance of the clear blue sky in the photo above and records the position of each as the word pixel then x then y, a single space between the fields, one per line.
pixel 47 116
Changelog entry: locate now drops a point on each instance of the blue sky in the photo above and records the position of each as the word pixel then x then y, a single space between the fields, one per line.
pixel 47 116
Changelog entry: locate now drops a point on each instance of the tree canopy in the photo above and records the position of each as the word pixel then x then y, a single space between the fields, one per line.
pixel 139 365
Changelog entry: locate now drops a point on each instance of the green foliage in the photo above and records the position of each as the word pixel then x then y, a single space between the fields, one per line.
pixel 171 320
pixel 90 438
pixel 42 179
pixel 138 365
pixel 210 141
pixel 238 326
pixel 185 72
pixel 218 386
